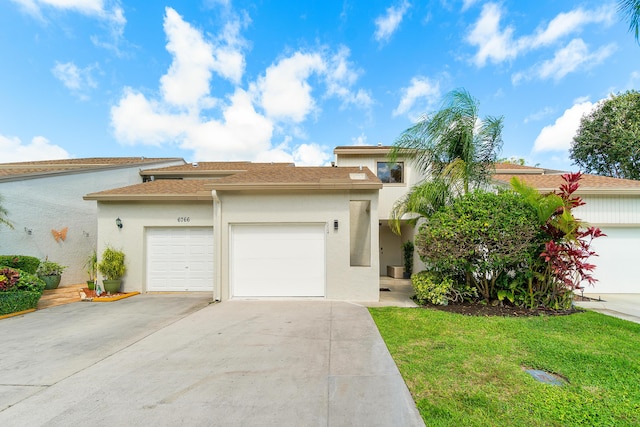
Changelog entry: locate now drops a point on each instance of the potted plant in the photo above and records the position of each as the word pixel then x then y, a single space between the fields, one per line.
pixel 50 272
pixel 112 268
pixel 407 249
pixel 91 267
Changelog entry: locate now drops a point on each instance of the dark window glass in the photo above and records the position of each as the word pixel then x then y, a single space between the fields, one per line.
pixel 391 173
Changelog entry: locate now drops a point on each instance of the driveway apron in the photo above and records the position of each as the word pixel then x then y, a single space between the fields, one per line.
pixel 174 360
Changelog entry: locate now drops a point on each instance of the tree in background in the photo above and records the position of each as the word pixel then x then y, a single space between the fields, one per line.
pixel 631 10
pixel 608 139
pixel 454 148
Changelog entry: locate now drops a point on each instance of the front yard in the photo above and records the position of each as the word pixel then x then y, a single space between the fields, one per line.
pixel 470 371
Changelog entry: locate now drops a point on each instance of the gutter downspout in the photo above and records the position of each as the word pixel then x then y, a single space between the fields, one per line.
pixel 217 246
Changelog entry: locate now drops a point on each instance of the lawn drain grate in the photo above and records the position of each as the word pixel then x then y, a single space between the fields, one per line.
pixel 546 377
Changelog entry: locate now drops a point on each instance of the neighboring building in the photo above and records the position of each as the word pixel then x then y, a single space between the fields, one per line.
pixel 44 203
pixel 397 179
pixel 247 230
pixel 613 205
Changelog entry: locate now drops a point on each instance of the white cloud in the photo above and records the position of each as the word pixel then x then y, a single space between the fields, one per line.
pixel 359 140
pixel 78 80
pixel 243 124
pixel 388 23
pixel 573 56
pixel 558 136
pixel 87 7
pixel 284 91
pixel 493 44
pixel 13 150
pixel 466 4
pixel 538 115
pixel 498 45
pixel 341 76
pixel 421 89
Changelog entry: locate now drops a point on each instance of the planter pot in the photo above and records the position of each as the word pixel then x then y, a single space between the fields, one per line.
pixel 112 286
pixel 51 282
pixel 91 284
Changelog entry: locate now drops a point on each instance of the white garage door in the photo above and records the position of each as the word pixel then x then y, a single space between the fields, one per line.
pixel 180 259
pixel 617 261
pixel 278 260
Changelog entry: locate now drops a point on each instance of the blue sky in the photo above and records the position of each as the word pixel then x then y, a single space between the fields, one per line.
pixel 288 81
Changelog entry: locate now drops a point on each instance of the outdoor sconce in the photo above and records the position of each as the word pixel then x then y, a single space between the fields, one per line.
pixel 119 222
pixel 335 224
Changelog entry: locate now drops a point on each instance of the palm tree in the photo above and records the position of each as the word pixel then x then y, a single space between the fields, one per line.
pixel 631 10
pixel 454 147
pixel 3 215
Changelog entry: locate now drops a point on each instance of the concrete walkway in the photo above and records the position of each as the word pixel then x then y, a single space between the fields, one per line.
pixel 623 306
pixel 174 360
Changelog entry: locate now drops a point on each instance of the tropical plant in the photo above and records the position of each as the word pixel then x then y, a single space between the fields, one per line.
pixel 564 245
pixel 50 268
pixel 454 148
pixel 606 142
pixel 112 265
pixel 407 251
pixel 91 265
pixel 22 262
pixel 436 289
pixel 631 10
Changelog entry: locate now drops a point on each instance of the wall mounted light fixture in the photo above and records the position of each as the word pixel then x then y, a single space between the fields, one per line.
pixel 119 222
pixel 335 224
pixel 28 231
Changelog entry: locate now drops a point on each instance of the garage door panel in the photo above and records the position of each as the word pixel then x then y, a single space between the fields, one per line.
pixel 278 260
pixel 180 259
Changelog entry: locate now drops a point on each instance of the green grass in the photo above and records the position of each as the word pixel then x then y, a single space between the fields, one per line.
pixel 469 371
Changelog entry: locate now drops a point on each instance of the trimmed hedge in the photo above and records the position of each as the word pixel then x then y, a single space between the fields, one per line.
pixel 12 302
pixel 21 262
pixel 22 295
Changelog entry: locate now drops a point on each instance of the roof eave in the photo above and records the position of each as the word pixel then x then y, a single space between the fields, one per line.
pixel 299 186
pixel 206 196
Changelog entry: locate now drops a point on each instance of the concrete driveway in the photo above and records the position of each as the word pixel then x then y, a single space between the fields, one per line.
pixel 176 360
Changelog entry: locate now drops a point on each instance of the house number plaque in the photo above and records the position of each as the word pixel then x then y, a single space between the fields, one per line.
pixel 184 219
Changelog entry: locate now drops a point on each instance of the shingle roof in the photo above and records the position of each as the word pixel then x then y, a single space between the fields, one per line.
pixel 282 177
pixel 589 184
pixel 209 169
pixel 163 189
pixel 301 178
pixel 21 170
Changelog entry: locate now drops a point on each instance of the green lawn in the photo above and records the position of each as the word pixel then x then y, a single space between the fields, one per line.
pixel 468 371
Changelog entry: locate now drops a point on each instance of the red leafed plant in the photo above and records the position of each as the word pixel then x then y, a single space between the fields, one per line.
pixel 567 252
pixel 8 278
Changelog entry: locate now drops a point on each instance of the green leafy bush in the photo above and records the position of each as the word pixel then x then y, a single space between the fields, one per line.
pixel 484 235
pixel 21 262
pixel 112 265
pixel 19 290
pixel 50 268
pixel 433 288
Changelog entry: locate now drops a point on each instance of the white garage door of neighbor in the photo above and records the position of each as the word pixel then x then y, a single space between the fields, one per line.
pixel 616 263
pixel 278 260
pixel 180 259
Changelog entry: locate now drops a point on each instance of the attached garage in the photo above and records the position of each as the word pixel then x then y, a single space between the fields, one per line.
pixel 616 260
pixel 278 260
pixel 179 258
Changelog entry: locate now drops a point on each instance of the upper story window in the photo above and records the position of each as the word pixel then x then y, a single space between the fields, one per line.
pixel 391 173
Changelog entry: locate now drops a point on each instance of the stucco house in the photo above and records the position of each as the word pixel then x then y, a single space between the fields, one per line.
pixel 247 230
pixel 44 203
pixel 397 179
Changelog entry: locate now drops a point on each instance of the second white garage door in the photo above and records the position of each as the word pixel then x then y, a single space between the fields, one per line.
pixel 283 260
pixel 180 259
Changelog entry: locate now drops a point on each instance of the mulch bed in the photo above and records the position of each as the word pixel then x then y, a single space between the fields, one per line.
pixel 478 309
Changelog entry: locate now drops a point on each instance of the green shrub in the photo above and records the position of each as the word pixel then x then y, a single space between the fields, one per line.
pixel 21 262
pixel 13 302
pixel 433 288
pixel 50 268
pixel 20 290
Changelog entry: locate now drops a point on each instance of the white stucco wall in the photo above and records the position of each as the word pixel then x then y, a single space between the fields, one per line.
pixel 136 217
pixel 343 282
pixel 389 192
pixel 55 202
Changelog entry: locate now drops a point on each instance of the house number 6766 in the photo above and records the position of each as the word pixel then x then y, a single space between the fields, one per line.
pixel 184 219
